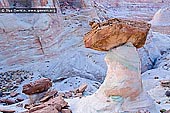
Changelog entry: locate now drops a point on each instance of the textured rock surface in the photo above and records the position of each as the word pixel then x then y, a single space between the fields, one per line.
pixel 116 32
pixel 37 87
pixel 26 38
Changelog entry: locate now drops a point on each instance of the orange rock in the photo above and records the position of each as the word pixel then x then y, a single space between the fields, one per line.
pixel 38 86
pixel 82 88
pixel 116 32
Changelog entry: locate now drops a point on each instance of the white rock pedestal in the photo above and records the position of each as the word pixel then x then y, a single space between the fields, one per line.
pixel 122 89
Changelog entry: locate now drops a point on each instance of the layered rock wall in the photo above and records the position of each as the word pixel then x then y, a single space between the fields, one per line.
pixel 28 37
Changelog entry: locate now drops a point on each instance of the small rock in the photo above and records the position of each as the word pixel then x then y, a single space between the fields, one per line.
pixel 68 94
pixel 38 86
pixel 1 93
pixel 165 83
pixel 49 95
pixel 54 105
pixel 18 81
pixel 2 100
pixel 10 101
pixel 156 77
pixel 158 102
pixel 163 110
pixel 78 95
pixel 20 99
pixel 82 88
pixel 167 93
pixel 13 94
pixel 4 89
pixel 66 111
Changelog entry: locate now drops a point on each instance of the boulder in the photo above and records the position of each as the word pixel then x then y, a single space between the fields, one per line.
pixel 82 88
pixel 38 86
pixel 116 32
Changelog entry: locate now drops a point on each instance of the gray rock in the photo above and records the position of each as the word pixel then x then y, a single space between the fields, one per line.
pixel 1 94
pixel 167 93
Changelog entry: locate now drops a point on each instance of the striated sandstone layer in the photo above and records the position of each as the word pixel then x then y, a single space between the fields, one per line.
pixel 115 32
pixel 26 38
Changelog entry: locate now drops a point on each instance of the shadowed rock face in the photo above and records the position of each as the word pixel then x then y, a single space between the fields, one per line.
pixel 116 32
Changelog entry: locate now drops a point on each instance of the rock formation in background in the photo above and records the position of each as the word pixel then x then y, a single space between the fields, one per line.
pixel 161 17
pixel 122 88
pixel 161 21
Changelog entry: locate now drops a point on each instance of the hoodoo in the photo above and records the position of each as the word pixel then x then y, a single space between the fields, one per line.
pixel 122 88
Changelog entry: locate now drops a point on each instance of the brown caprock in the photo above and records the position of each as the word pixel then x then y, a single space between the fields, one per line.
pixel 116 32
